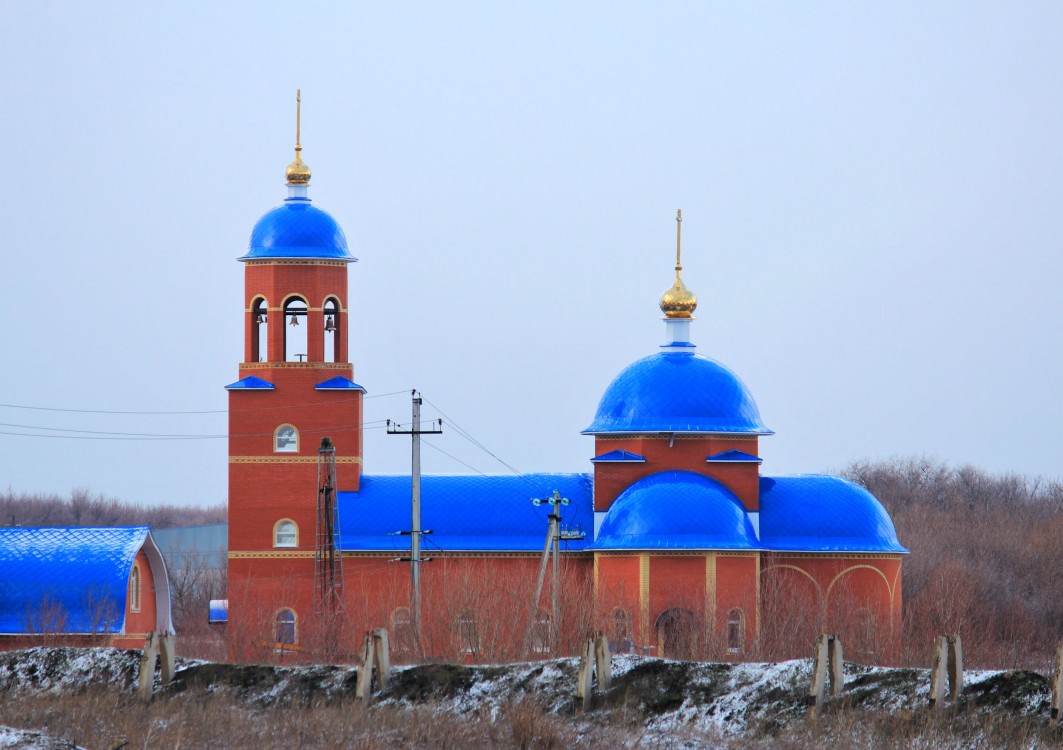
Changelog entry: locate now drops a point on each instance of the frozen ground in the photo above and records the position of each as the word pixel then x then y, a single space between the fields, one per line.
pixel 666 700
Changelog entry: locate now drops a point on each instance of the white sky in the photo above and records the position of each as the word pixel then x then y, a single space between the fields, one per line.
pixel 872 197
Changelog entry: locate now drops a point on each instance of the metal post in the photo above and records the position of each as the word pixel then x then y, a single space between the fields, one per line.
pixel 415 525
pixel 555 524
pixel 415 532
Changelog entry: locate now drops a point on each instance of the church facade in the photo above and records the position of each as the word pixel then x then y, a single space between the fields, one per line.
pixel 674 542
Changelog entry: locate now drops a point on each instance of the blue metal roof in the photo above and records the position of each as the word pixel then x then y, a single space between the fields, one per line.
pixel 297 229
pixel 218 610
pixel 465 513
pixel 250 383
pixel 819 513
pixel 620 457
pixel 732 456
pixel 338 384
pixel 69 580
pixel 677 392
pixel 676 510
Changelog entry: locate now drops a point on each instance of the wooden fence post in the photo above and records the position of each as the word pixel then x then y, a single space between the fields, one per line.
pixel 817 688
pixel 364 686
pixel 837 666
pixel 146 680
pixel 955 666
pixel 168 656
pixel 603 662
pixel 382 662
pixel 1057 686
pixel 585 676
pixel 938 669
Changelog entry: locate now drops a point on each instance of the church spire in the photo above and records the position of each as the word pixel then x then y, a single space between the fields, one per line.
pixel 678 303
pixel 298 173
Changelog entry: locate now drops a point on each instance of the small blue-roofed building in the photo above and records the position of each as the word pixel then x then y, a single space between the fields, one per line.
pixel 81 586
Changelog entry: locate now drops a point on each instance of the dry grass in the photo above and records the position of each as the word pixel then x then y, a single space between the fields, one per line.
pixel 108 718
pixel 103 718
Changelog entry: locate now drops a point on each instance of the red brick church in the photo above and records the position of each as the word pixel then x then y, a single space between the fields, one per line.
pixel 674 543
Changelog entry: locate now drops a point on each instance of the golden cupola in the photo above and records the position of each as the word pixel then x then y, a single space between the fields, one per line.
pixel 678 301
pixel 297 172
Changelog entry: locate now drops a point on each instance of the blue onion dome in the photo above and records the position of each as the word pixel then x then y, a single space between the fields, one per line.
pixel 296 229
pixel 676 510
pixel 820 513
pixel 677 392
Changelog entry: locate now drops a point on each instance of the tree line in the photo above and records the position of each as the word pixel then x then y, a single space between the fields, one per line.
pixel 986 557
pixel 84 508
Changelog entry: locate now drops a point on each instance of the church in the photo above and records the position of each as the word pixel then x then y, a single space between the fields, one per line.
pixel 673 543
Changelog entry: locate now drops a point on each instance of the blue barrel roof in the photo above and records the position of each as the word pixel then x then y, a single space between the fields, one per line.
pixel 819 513
pixel 69 580
pixel 676 510
pixel 677 392
pixel 296 229
pixel 465 513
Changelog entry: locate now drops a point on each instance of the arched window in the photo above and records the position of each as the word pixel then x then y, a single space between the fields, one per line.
pixel 284 630
pixel 621 635
pixel 468 633
pixel 285 533
pixel 295 330
pixel 402 631
pixel 541 633
pixel 286 439
pixel 259 331
pixel 134 589
pixel 332 330
pixel 736 631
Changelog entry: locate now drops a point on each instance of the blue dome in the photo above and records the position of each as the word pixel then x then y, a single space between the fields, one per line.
pixel 676 510
pixel 819 513
pixel 297 229
pixel 677 392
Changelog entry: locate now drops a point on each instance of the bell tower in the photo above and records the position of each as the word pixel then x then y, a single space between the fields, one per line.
pixel 295 387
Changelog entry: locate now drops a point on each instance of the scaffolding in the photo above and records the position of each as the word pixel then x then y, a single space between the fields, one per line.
pixel 328 563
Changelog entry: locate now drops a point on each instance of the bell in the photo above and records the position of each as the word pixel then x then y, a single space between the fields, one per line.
pixel 260 319
pixel 330 324
pixel 294 321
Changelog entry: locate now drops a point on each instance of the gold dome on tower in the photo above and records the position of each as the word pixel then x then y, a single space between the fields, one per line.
pixel 678 301
pixel 297 172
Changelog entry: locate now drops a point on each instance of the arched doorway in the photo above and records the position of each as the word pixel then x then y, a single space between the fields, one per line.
pixel 677 634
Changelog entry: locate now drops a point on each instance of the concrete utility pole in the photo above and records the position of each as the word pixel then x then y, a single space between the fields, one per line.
pixel 554 535
pixel 415 532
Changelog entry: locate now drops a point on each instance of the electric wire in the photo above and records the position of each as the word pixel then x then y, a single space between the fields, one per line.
pixel 190 412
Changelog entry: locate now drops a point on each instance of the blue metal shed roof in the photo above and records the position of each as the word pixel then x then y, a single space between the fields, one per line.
pixel 70 580
pixel 338 384
pixel 218 610
pixel 297 229
pixel 250 383
pixel 620 457
pixel 676 510
pixel 820 513
pixel 465 513
pixel 677 392
pixel 732 456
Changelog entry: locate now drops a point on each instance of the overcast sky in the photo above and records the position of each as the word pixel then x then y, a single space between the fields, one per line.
pixel 872 197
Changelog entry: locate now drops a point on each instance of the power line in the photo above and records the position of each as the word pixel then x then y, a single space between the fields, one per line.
pixel 163 413
pixel 136 436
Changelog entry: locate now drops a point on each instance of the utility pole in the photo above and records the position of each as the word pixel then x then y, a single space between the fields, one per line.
pixel 415 532
pixel 554 535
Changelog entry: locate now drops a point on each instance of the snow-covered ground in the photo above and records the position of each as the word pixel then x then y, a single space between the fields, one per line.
pixel 665 698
